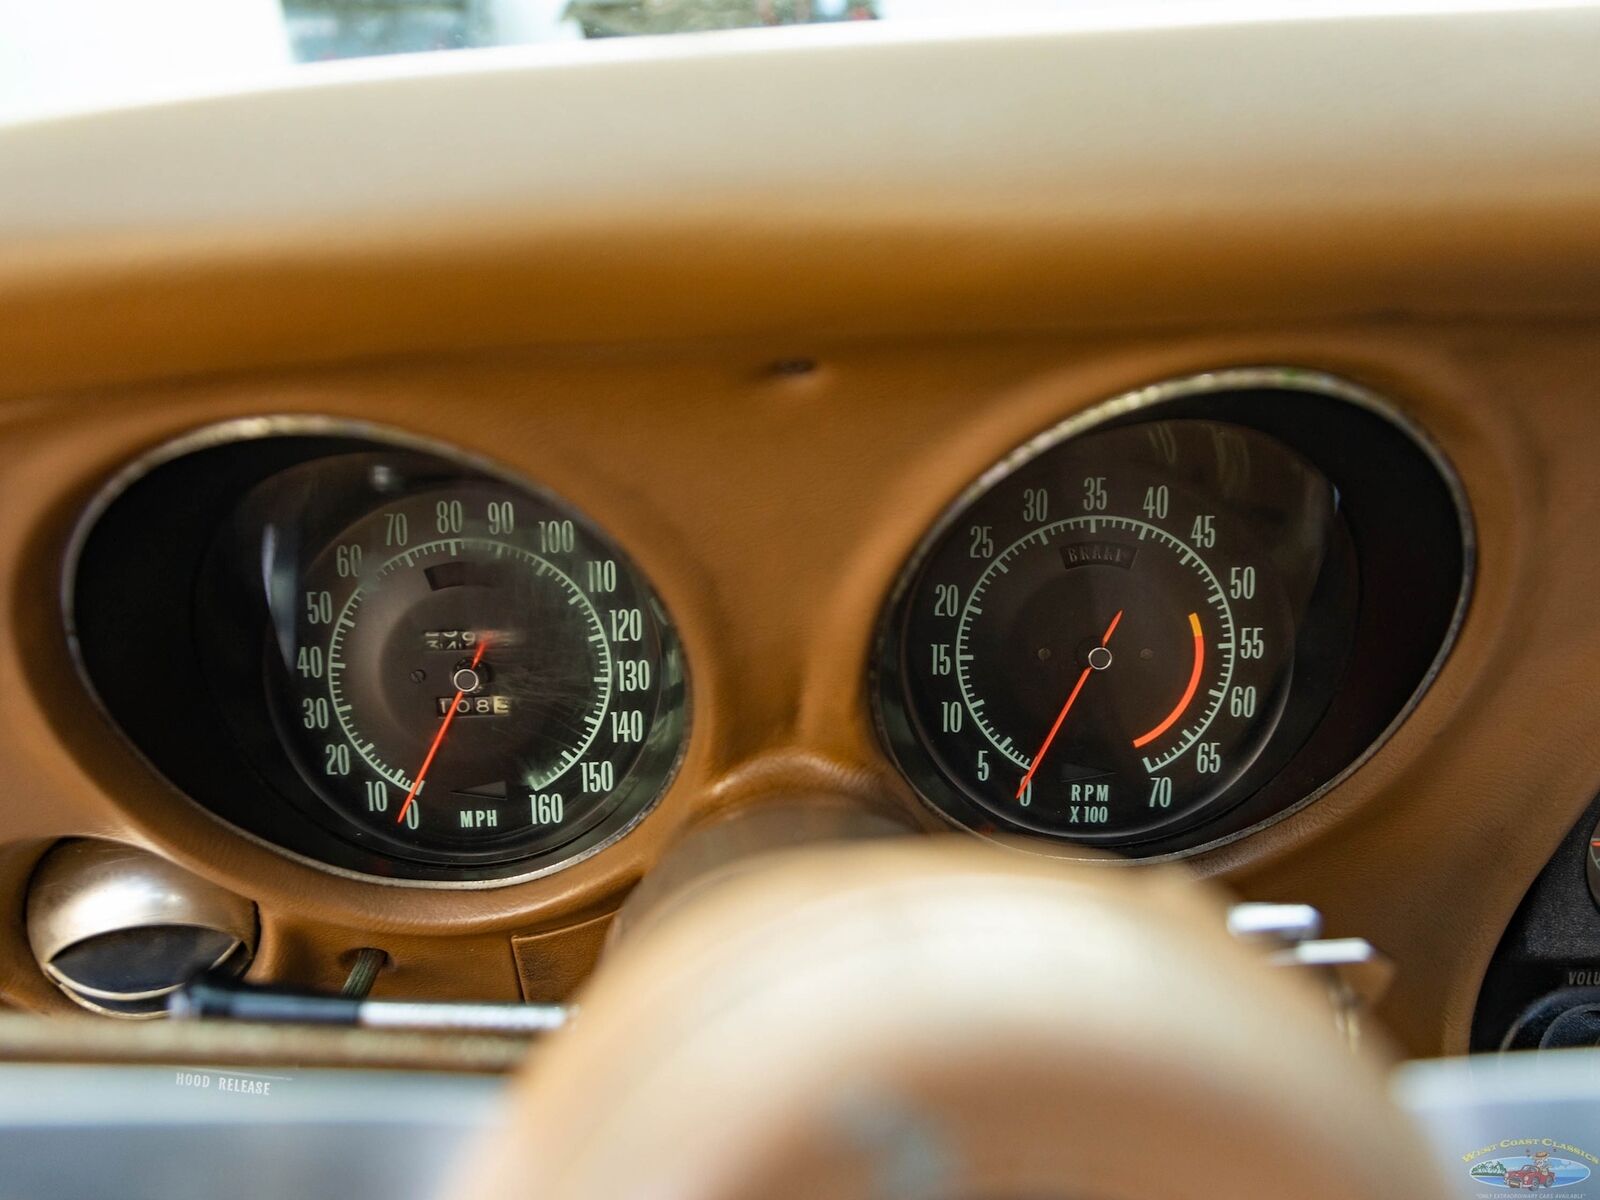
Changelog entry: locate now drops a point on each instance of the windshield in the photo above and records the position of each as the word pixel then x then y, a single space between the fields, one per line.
pixel 61 55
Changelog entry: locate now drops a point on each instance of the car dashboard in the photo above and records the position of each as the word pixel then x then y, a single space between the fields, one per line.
pixel 1023 464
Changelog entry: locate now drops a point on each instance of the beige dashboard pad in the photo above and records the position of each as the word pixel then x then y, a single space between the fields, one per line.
pixel 945 1019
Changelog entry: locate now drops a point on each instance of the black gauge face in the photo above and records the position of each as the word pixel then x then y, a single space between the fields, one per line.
pixel 471 674
pixel 1138 637
pixel 379 655
pixel 1109 680
pixel 1100 647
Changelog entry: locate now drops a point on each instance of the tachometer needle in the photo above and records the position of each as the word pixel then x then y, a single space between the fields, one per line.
pixel 438 738
pixel 1083 678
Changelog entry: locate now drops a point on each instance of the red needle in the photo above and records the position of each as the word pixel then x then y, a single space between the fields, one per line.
pixel 438 738
pixel 1065 709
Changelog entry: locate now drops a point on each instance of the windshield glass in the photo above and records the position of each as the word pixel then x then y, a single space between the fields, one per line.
pixel 66 55
pixel 61 55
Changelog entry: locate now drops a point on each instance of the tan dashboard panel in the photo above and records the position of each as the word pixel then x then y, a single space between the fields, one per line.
pixel 772 511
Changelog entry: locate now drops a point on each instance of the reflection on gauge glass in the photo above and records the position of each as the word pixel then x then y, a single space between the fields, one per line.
pixel 1119 637
pixel 428 670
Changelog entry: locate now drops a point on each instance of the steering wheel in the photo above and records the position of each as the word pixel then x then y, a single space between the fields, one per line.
pixel 915 1019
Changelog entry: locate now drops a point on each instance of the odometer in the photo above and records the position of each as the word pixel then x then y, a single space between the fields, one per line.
pixel 1139 626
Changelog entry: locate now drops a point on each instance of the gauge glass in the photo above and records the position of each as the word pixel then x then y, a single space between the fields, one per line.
pixel 1100 645
pixel 470 673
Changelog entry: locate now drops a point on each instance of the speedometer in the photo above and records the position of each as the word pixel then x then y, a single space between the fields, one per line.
pixel 472 672
pixel 1135 626
pixel 379 654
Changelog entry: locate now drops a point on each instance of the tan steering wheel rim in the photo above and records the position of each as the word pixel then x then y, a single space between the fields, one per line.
pixel 941 1019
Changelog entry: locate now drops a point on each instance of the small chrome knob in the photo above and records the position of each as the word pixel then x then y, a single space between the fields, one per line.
pixel 1285 924
pixel 1355 974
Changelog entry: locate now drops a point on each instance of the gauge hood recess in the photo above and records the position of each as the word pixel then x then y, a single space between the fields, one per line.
pixel 266 654
pixel 1076 174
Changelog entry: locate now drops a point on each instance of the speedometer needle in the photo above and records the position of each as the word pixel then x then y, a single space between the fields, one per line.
pixel 1065 709
pixel 438 738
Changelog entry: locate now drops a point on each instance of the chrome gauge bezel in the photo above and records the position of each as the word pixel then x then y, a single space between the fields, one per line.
pixel 674 725
pixel 889 709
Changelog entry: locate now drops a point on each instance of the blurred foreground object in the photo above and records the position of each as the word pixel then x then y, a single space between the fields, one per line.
pixel 940 1019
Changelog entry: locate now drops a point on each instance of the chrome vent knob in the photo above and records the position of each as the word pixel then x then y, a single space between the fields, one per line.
pixel 118 929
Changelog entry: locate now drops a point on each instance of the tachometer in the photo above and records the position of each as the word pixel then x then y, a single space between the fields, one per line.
pixel 1113 680
pixel 1136 626
pixel 1102 647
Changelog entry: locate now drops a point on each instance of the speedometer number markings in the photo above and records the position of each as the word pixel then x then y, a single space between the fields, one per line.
pixel 480 698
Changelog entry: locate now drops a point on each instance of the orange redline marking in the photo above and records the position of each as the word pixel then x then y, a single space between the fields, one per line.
pixel 1083 678
pixel 438 738
pixel 1188 692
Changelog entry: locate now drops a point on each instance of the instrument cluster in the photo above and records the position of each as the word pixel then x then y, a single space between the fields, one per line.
pixel 1158 626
